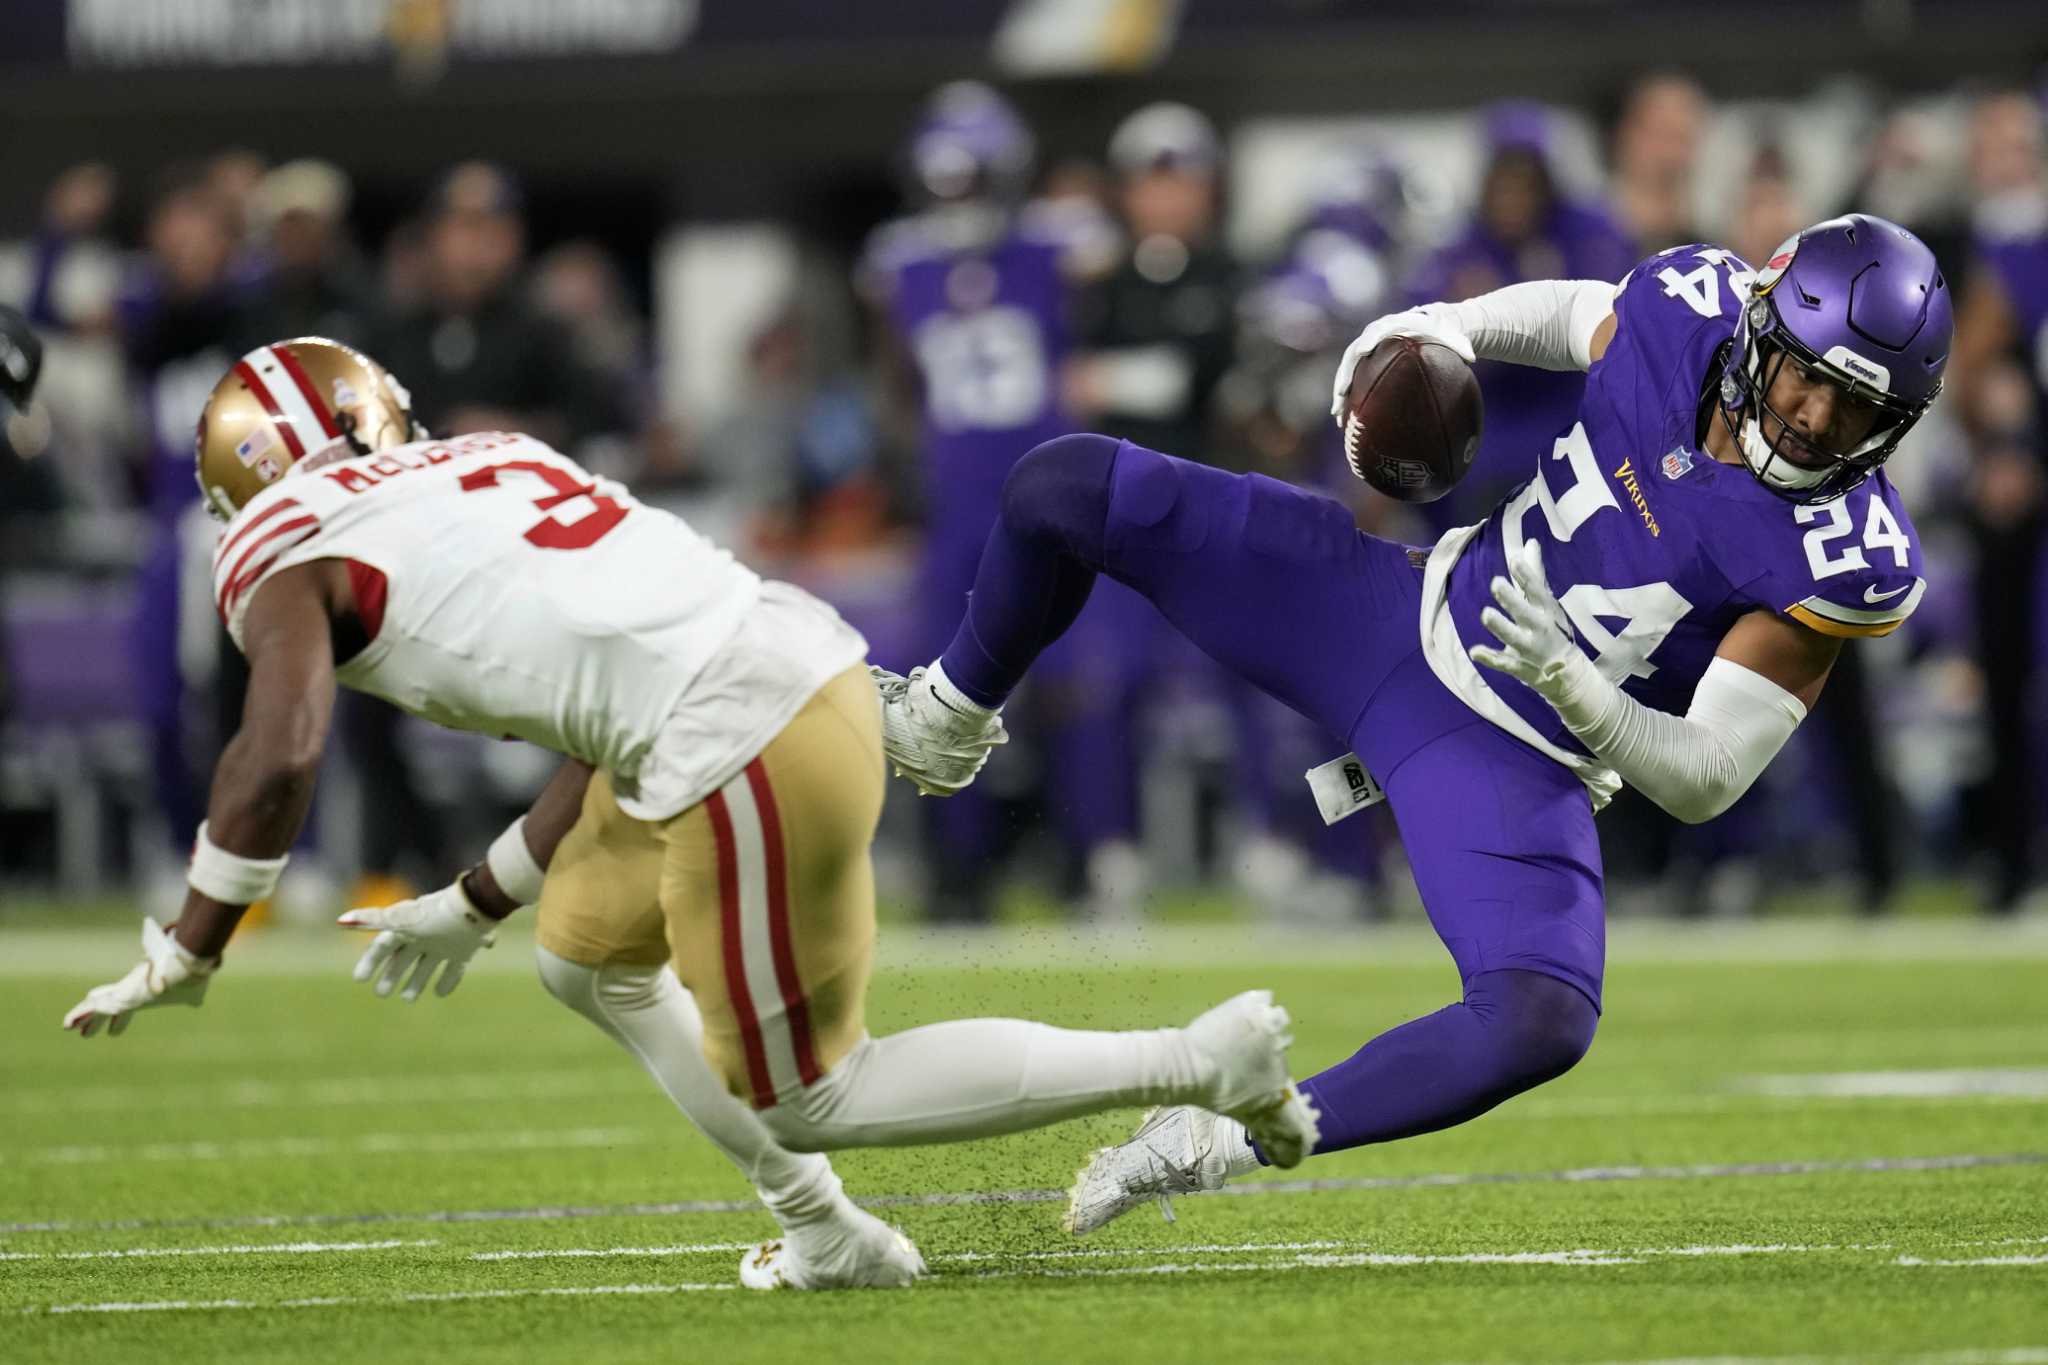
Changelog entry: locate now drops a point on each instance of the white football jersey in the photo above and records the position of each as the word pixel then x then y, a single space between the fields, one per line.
pixel 511 593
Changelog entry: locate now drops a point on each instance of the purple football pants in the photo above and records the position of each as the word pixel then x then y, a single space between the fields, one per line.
pixel 1279 586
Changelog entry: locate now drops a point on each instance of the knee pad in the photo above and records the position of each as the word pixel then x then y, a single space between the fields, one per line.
pixel 1061 487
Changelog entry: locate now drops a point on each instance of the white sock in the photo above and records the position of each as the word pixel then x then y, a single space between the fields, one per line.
pixel 1234 1146
pixel 975 1078
pixel 952 698
pixel 647 1012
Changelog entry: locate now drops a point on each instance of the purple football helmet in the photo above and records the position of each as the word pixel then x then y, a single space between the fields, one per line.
pixel 1857 301
pixel 969 143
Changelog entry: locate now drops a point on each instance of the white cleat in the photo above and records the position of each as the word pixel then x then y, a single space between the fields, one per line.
pixel 1174 1151
pixel 1246 1039
pixel 852 1249
pixel 931 735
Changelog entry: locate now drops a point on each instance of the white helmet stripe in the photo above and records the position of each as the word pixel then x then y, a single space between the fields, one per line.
pixel 287 403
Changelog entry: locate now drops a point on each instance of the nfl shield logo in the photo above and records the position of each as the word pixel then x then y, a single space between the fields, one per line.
pixel 1677 461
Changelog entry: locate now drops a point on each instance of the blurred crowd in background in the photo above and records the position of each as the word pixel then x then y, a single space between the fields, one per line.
pixel 841 407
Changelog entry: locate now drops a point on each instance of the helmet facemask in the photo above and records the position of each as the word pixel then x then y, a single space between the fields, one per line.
pixel 1762 347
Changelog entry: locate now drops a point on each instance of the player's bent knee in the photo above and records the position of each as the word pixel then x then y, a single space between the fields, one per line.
pixel 569 982
pixel 1545 1024
pixel 1060 487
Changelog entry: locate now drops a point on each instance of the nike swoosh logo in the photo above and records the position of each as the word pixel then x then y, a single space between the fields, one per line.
pixel 1871 594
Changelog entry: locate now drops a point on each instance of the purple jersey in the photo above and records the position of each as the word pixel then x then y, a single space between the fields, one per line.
pixel 986 329
pixel 1524 406
pixel 1654 548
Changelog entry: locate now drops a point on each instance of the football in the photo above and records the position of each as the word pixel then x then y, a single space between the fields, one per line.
pixel 1412 419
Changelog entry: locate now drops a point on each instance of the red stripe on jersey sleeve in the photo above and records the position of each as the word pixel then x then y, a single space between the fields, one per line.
pixel 237 534
pixel 241 580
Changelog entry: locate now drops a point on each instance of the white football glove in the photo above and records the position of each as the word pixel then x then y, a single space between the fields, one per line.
pixel 1537 644
pixel 1432 322
pixel 168 974
pixel 420 936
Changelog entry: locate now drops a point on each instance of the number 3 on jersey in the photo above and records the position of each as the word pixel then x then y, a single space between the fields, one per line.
pixel 548 533
pixel 1648 612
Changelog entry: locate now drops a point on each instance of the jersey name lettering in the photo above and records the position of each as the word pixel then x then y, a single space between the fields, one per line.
pixel 360 476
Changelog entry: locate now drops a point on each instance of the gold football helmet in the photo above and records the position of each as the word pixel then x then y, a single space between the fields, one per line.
pixel 292 401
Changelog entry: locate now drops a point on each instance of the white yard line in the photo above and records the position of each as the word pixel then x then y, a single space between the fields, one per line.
pixel 1252 1189
pixel 566 1253
pixel 362 1144
pixel 1951 1083
pixel 477 1087
pixel 1304 1256
pixel 261 1249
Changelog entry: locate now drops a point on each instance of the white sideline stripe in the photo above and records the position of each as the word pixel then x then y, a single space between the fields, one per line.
pixel 373 1144
pixel 269 1249
pixel 1301 1260
pixel 559 1212
pixel 963 1256
pixel 2030 1082
pixel 692 1249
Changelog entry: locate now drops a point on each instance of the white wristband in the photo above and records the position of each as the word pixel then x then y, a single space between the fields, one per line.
pixel 228 877
pixel 517 872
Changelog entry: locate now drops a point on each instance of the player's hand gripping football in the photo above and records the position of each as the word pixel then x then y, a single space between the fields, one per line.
pixel 1537 644
pixel 438 931
pixel 1425 324
pixel 168 974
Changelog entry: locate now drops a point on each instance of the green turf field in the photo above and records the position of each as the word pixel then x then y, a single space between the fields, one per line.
pixel 1793 1139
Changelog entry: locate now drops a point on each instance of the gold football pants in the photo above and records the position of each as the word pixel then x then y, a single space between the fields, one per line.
pixel 762 895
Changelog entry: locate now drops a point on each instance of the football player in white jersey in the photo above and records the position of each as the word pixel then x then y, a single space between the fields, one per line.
pixel 701 861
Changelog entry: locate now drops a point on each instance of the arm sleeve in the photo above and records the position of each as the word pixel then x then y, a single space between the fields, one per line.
pixel 1695 765
pixel 1545 323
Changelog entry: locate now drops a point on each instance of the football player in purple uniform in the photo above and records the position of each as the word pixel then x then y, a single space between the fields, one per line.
pixel 1659 604
pixel 975 290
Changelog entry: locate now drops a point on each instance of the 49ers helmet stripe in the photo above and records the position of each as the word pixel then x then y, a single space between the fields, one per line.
pixel 282 403
pixel 305 386
pixel 247 374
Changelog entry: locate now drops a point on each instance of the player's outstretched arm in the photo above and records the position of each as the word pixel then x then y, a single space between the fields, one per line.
pixel 440 932
pixel 261 790
pixel 1763 680
pixel 1550 324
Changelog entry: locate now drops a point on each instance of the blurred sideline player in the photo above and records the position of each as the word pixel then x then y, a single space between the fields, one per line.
pixel 1716 521
pixel 974 290
pixel 723 783
pixel 21 365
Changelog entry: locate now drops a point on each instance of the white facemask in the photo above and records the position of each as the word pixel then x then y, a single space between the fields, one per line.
pixel 1771 467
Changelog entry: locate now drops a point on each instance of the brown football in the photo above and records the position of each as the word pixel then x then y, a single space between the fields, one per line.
pixel 1412 419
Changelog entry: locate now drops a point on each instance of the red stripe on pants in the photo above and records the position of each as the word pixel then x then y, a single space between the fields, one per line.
pixel 735 962
pixel 797 1009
